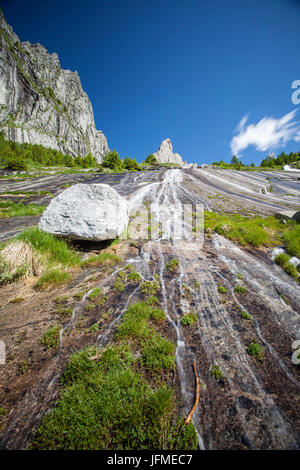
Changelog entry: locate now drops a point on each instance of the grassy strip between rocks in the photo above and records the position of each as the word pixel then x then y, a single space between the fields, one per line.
pixel 122 399
pixel 18 209
pixel 258 231
pixel 55 256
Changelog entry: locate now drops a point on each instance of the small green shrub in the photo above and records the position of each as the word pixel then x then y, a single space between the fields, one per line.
pixel 188 319
pixel 90 307
pixel 255 350
pixel 217 372
pixel 78 295
pixel 51 337
pixel 53 278
pixel 64 312
pixel 222 290
pixel 92 329
pixel 149 288
pixel 240 289
pixel 152 300
pixel 23 367
pixel 119 286
pixel 95 293
pixel 134 276
pixel 245 315
pixel 172 265
pixel 102 300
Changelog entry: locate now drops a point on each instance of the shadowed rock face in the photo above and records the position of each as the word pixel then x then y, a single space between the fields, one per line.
pixel 40 103
pixel 165 153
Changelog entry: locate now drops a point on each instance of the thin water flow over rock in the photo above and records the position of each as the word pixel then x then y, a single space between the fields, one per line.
pixel 254 404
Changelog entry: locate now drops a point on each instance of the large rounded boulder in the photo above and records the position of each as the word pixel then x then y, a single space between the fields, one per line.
pixel 86 212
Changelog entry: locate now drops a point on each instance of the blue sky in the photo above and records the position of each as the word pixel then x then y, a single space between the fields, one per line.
pixel 185 69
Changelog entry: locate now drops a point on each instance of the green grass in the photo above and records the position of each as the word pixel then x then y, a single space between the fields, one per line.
pixel 134 276
pixel 172 265
pixel 23 367
pixel 255 350
pixel 158 354
pixel 64 312
pixel 119 285
pixel 78 295
pixel 53 278
pixel 95 293
pixel 245 315
pixel 152 301
pixel 57 250
pixel 283 260
pixel 6 274
pixel 240 289
pixel 257 232
pixel 90 307
pixel 291 240
pixel 188 319
pixel 18 209
pixel 103 259
pixel 222 289
pixel 112 402
pixel 51 337
pixel 149 288
pixel 217 372
pixel 27 193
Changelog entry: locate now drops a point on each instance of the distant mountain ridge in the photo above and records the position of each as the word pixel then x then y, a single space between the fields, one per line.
pixel 41 103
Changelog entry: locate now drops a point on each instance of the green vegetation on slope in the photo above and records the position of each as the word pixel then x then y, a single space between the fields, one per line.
pixel 114 162
pixel 56 249
pixel 37 252
pixel 18 209
pixel 122 400
pixel 281 160
pixel 258 231
pixel 21 157
pixel 266 164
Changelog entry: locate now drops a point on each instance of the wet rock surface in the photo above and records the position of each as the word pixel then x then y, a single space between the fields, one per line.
pixel 255 405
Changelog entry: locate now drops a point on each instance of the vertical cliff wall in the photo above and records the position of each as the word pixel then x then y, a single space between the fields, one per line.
pixel 41 103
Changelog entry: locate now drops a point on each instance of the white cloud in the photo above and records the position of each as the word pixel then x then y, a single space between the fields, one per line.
pixel 266 134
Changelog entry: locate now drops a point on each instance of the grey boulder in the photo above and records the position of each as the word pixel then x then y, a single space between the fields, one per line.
pixel 86 212
pixel 288 215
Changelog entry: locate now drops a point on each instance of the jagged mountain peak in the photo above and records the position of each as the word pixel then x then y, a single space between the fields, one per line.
pixel 165 153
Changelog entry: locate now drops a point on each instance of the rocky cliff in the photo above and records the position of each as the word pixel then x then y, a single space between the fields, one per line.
pixel 41 103
pixel 165 153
